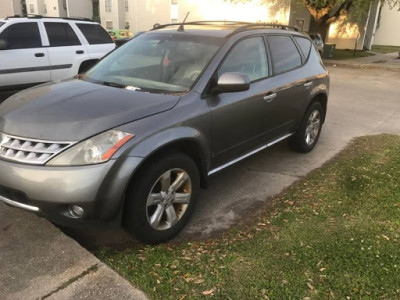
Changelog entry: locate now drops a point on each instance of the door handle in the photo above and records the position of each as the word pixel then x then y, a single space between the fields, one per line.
pixel 308 84
pixel 80 52
pixel 269 97
pixel 39 54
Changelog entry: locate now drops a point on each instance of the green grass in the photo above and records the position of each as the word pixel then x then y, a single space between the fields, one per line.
pixel 332 235
pixel 348 54
pixel 385 49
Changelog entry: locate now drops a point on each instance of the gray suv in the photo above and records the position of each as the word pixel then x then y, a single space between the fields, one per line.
pixel 133 140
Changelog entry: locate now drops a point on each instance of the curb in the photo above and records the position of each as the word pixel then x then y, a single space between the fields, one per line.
pixel 361 66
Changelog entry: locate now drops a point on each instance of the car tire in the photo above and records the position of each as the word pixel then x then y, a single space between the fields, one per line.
pixel 161 198
pixel 307 135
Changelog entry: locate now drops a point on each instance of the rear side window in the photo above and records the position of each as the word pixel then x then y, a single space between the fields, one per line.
pixel 305 45
pixel 95 34
pixel 22 36
pixel 61 34
pixel 284 53
pixel 1 24
pixel 248 57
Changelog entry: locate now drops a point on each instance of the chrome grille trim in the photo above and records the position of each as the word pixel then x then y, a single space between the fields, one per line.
pixel 30 151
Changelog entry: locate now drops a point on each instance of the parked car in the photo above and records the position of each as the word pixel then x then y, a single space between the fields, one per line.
pixel 120 34
pixel 36 49
pixel 132 140
pixel 318 42
pixel 121 42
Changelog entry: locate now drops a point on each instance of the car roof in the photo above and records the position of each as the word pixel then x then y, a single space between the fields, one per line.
pixel 221 29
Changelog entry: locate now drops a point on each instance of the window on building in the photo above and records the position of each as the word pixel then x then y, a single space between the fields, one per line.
pixel 305 45
pixel 32 8
pixel 284 53
pixel 248 57
pixel 174 1
pixel 95 34
pixel 174 20
pixel 127 25
pixel 126 5
pixel 108 5
pixel 61 34
pixel 45 8
pixel 22 36
pixel 109 25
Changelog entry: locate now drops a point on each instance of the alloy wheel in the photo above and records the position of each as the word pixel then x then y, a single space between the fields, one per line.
pixel 168 199
pixel 313 127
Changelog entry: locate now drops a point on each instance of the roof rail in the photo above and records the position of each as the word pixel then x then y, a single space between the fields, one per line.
pixel 242 25
pixel 248 26
pixel 30 16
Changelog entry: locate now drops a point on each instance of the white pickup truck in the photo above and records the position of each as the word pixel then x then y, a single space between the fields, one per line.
pixel 37 49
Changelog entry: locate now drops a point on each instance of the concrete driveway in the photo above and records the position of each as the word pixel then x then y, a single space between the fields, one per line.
pixel 362 102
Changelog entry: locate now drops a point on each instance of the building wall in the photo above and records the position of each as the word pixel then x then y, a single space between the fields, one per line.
pixel 109 16
pixel 389 24
pixel 55 8
pixel 81 8
pixel 371 25
pixel 6 9
pixel 37 5
pixel 299 16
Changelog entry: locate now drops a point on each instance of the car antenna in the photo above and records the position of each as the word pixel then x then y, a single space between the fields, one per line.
pixel 181 28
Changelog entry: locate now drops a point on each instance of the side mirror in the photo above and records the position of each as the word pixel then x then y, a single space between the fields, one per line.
pixel 3 44
pixel 233 82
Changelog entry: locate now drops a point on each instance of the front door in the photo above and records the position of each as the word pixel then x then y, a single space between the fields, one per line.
pixel 25 61
pixel 66 52
pixel 238 118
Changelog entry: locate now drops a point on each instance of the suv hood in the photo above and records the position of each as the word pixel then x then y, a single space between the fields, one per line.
pixel 75 110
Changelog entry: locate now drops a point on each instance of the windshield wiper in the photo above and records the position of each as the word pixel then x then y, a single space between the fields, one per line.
pixel 114 84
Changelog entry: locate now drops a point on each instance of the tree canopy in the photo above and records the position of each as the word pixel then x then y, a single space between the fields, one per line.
pixel 325 12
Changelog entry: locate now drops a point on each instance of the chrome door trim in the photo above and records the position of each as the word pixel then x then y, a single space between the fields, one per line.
pixel 213 171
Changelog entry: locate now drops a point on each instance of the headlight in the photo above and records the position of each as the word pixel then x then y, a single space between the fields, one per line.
pixel 95 150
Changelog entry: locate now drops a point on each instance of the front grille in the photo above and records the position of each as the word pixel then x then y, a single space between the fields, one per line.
pixel 29 151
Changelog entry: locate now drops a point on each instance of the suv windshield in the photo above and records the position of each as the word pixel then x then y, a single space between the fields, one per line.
pixel 156 62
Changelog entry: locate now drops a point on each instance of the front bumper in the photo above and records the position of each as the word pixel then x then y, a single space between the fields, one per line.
pixel 49 191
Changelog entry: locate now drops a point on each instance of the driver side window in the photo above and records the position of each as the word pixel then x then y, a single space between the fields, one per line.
pixel 247 57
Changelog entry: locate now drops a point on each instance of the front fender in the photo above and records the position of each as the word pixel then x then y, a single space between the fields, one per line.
pixel 168 137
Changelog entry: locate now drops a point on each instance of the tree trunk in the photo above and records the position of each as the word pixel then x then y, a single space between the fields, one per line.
pixel 321 27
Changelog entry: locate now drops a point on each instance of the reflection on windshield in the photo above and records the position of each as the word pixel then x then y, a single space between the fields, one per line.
pixel 156 62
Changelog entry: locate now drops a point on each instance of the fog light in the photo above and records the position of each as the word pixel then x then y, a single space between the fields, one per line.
pixel 76 211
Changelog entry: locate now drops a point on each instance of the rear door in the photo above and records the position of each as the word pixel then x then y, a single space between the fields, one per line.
pixel 238 118
pixel 290 85
pixel 25 61
pixel 99 42
pixel 66 51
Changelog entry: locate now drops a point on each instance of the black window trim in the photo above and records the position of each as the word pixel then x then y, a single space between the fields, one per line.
pixel 40 34
pixel 94 24
pixel 207 89
pixel 299 52
pixel 304 58
pixel 246 38
pixel 48 38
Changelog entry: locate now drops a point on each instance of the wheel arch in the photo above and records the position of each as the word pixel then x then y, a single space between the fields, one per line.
pixel 86 64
